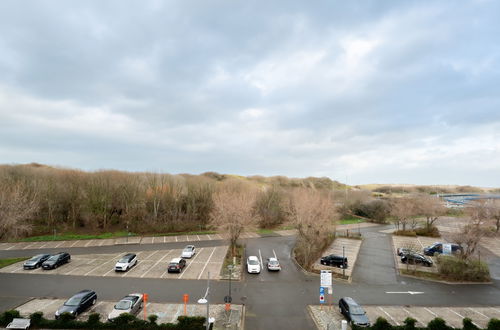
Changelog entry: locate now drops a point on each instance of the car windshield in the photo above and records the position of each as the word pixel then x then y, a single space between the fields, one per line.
pixel 356 310
pixel 253 262
pixel 73 301
pixel 187 250
pixel 35 258
pixel 173 264
pixel 273 262
pixel 53 258
pixel 123 305
pixel 123 260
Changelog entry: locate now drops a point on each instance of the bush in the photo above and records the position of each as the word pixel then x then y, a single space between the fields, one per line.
pixel 381 324
pixel 36 318
pixel 437 324
pixel 8 316
pixel 152 318
pixel 459 269
pixel 409 323
pixel 377 210
pixel 94 319
pixel 409 233
pixel 430 232
pixel 468 325
pixel 494 324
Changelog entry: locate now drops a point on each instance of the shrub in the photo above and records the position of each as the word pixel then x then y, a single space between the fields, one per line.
pixel 409 233
pixel 438 324
pixel 8 316
pixel 152 318
pixel 196 322
pixel 468 325
pixel 377 210
pixel 494 324
pixel 381 324
pixel 270 208
pixel 36 318
pixel 430 232
pixel 94 319
pixel 459 269
pixel 409 323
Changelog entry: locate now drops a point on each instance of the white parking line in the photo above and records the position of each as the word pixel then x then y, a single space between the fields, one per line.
pixel 275 254
pixel 475 311
pixel 209 238
pixel 89 242
pixel 205 266
pixel 164 239
pixel 190 263
pixel 10 247
pixel 260 257
pixel 413 316
pixel 393 320
pixel 71 244
pixel 111 260
pixel 496 310
pixel 102 242
pixel 451 310
pixel 176 239
pixel 427 309
pixel 144 274
pixel 220 237
pixel 24 248
pixel 198 238
pixel 77 268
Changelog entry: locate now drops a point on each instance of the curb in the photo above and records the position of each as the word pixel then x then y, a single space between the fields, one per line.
pixel 313 317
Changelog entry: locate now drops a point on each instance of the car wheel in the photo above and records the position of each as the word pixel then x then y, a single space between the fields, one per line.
pixel 55 266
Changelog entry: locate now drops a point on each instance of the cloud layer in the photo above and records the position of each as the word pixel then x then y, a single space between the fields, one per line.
pixel 392 92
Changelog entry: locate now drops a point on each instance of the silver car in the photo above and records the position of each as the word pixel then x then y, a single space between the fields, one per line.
pixel 188 252
pixel 273 264
pixel 130 304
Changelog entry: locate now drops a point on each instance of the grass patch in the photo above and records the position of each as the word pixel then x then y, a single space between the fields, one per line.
pixel 264 231
pixel 228 260
pixel 7 262
pixel 72 236
pixel 200 232
pixel 350 221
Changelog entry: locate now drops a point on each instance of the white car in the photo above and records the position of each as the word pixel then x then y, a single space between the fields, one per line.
pixel 273 264
pixel 126 262
pixel 253 265
pixel 188 252
pixel 130 304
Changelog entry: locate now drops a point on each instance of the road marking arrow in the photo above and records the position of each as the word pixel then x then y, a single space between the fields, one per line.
pixel 407 292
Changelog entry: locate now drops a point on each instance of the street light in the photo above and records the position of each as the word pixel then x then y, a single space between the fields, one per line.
pixel 204 300
pixel 343 264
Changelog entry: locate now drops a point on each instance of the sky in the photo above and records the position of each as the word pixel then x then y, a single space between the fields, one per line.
pixel 357 91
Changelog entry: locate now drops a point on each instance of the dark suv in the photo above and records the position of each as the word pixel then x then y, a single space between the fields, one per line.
pixel 56 260
pixel 416 258
pixel 333 260
pixel 438 248
pixel 78 303
pixel 353 312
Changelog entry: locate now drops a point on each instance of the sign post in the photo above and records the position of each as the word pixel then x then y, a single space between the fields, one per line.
pixel 321 295
pixel 326 284
pixel 146 298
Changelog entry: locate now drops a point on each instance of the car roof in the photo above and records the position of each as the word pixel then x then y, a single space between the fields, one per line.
pixel 175 260
pixel 350 301
pixel 82 293
pixel 129 255
pixel 253 258
pixel 273 259
pixel 189 246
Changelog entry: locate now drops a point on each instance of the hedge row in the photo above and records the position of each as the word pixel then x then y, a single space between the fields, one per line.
pixel 436 324
pixel 124 321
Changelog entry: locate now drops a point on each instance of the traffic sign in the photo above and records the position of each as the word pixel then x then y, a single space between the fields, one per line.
pixel 228 299
pixel 321 290
pixel 185 298
pixel 326 278
pixel 321 298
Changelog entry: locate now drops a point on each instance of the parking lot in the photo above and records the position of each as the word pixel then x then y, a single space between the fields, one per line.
pixel 151 264
pixel 350 247
pixel 167 313
pixel 329 315
pixel 417 242
pixel 116 241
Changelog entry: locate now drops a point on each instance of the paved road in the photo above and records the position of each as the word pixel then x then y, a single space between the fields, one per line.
pixel 273 300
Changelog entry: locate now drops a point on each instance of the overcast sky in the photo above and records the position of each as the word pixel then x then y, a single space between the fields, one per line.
pixel 368 91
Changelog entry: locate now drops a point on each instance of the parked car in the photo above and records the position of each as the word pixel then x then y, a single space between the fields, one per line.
pixel 333 260
pixel 130 304
pixel 253 265
pixel 176 265
pixel 77 304
pixel 402 251
pixel 416 258
pixel 353 312
pixel 273 264
pixel 438 248
pixel 36 261
pixel 56 260
pixel 188 252
pixel 126 262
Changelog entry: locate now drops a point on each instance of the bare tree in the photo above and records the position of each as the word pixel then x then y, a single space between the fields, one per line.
pixel 431 208
pixel 16 209
pixel 403 210
pixel 312 213
pixel 494 212
pixel 471 234
pixel 233 209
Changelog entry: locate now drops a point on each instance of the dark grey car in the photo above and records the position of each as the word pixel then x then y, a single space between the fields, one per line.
pixel 78 303
pixel 36 261
pixel 56 260
pixel 353 312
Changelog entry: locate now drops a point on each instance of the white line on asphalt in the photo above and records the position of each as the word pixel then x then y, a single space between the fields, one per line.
pixel 102 242
pixel 198 238
pixel 109 271
pixel 413 316
pixel 71 244
pixel 24 248
pixel 475 311
pixel 220 237
pixel 164 239
pixel 76 267
pixel 176 239
pixel 275 254
pixel 187 238
pixel 209 238
pixel 111 260
pixel 90 241
pixel 451 310
pixel 393 320
pixel 156 263
pixel 12 245
pixel 427 309
pixel 260 257
pixel 190 263
pixel 205 266
pixel 496 310
pixel 153 254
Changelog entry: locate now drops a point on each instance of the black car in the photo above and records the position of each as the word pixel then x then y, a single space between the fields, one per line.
pixel 78 303
pixel 416 258
pixel 56 260
pixel 176 265
pixel 333 260
pixel 36 261
pixel 437 248
pixel 353 312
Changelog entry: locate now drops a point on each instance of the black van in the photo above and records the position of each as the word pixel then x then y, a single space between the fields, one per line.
pixel 333 260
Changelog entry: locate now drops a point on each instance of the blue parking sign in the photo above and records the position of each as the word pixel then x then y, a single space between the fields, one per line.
pixel 321 290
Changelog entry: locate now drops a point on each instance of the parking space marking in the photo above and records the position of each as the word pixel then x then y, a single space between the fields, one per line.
pixel 90 241
pixel 99 266
pixel 413 316
pixel 209 238
pixel 477 312
pixel 144 274
pixel 427 309
pixel 164 239
pixel 72 244
pixel 176 239
pixel 205 266
pixel 393 320
pixel 260 257
pixel 198 238
pixel 190 263
pixel 27 246
pixel 451 310
pixel 275 254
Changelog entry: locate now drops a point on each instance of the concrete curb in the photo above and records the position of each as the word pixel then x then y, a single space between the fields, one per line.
pixel 313 317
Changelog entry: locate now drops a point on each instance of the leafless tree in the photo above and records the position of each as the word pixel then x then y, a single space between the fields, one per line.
pixel 430 207
pixel 403 210
pixel 16 209
pixel 233 210
pixel 471 234
pixel 313 214
pixel 494 212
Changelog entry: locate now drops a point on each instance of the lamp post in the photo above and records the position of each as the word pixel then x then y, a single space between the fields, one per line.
pixel 343 258
pixel 204 300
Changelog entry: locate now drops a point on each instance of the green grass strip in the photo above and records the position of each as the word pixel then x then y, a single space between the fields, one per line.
pixel 6 262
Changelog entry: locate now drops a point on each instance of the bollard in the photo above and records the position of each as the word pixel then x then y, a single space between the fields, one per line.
pixel 344 325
